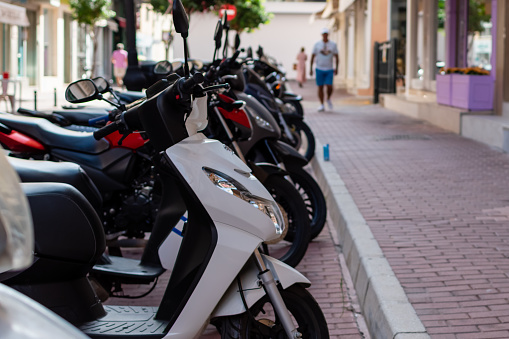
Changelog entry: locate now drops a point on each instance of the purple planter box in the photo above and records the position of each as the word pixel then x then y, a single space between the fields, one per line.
pixel 472 92
pixel 444 96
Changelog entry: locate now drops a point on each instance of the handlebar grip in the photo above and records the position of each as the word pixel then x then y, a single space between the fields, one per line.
pixel 235 56
pixel 188 85
pixel 106 130
pixel 98 120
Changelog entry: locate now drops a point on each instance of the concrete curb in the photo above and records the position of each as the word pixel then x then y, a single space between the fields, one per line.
pixel 384 304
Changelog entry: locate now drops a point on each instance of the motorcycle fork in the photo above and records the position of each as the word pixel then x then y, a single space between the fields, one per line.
pixel 230 135
pixel 270 287
pixel 280 163
pixel 286 128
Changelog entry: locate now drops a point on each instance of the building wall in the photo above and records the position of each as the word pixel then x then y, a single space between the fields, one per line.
pixel 379 32
pixel 290 29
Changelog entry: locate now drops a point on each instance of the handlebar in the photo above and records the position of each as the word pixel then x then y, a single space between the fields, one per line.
pixel 188 85
pixel 99 120
pixel 106 130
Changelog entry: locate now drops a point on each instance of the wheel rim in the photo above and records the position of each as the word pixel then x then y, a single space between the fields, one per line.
pixel 268 325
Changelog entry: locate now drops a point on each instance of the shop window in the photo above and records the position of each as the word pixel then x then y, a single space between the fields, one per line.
pixel 441 35
pixel 479 34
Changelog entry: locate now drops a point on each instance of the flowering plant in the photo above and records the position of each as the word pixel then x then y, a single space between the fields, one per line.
pixel 464 70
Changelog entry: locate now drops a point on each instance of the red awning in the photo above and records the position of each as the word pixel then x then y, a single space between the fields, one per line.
pixel 121 22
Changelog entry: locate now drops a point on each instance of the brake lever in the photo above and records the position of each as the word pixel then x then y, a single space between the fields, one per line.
pixel 220 87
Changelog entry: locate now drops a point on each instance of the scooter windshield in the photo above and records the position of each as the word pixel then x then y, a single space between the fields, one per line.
pixel 16 229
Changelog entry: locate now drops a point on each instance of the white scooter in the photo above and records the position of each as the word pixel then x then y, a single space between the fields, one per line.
pixel 219 276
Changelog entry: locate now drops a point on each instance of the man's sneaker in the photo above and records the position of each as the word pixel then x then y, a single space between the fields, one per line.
pixel 321 108
pixel 329 104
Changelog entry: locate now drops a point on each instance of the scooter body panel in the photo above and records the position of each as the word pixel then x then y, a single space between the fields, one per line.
pixel 232 303
pixel 215 155
pixel 239 232
pixel 233 249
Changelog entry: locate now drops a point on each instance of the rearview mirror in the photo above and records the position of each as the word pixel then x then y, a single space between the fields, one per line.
pixel 163 67
pixel 101 84
pixel 237 41
pixel 180 20
pixel 81 91
pixel 218 34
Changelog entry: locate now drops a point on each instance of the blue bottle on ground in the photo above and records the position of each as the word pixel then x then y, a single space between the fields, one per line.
pixel 326 152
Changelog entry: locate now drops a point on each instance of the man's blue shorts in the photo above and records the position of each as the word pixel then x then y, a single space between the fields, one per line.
pixel 324 77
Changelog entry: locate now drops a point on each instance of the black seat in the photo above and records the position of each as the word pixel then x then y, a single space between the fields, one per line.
pixel 54 136
pixel 64 172
pixel 66 227
pixel 68 240
pixel 81 116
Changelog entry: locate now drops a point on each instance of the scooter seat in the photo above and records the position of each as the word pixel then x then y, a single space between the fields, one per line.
pixel 64 172
pixel 66 227
pixel 54 136
pixel 83 115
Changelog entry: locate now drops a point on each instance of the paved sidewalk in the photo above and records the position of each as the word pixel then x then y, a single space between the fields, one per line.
pixel 436 203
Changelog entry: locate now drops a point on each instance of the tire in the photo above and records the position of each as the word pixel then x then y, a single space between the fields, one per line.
pixel 313 198
pixel 294 106
pixel 287 196
pixel 304 138
pixel 303 307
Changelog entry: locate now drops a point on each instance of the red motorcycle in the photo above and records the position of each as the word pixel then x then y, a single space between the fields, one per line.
pixel 118 165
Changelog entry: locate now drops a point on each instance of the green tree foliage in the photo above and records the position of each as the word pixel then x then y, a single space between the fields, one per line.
pixel 476 16
pixel 250 15
pixel 88 13
pixel 191 6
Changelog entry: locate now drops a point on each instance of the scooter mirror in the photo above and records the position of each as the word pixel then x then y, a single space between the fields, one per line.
pixel 218 34
pixel 249 52
pixel 237 41
pixel 81 91
pixel 259 52
pixel 101 84
pixel 180 20
pixel 163 67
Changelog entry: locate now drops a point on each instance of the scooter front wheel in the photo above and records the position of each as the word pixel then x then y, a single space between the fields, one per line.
pixel 287 196
pixel 261 322
pixel 304 139
pixel 313 199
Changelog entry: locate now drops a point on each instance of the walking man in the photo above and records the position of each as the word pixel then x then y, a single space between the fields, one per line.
pixel 324 52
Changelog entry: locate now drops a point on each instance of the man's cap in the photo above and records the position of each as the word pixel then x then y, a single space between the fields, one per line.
pixel 325 30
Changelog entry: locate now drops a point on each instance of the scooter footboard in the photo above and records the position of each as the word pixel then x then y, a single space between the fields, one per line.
pixel 231 303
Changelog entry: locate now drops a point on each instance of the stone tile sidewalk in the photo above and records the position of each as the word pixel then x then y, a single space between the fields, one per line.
pixel 436 203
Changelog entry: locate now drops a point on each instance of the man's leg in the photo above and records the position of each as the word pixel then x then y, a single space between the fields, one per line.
pixel 329 91
pixel 320 94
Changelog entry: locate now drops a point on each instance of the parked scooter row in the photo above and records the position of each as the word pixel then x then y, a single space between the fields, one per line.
pixel 308 188
pixel 219 275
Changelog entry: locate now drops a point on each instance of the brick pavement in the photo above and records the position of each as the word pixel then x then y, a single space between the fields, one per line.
pixel 438 205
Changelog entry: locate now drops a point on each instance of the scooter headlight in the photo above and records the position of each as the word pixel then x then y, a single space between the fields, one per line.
pixel 261 122
pixel 233 187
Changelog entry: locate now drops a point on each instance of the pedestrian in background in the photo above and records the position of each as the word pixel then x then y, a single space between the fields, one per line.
pixel 325 52
pixel 301 67
pixel 119 61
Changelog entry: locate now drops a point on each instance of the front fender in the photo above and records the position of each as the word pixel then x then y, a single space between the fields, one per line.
pixel 289 96
pixel 264 170
pixel 231 302
pixel 290 156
